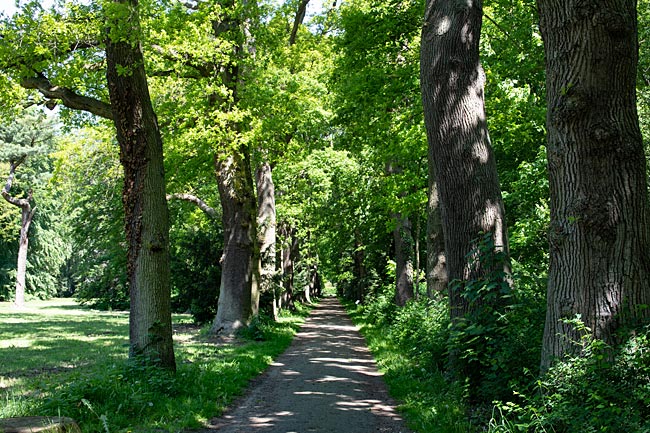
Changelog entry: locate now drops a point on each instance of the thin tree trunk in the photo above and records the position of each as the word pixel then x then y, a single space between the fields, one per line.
pixel 358 258
pixel 300 16
pixel 416 271
pixel 27 213
pixel 599 239
pixel 145 204
pixel 452 93
pixel 239 260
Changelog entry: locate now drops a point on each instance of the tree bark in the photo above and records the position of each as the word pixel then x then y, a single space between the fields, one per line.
pixel 239 260
pixel 145 205
pixel 266 229
pixel 452 81
pixel 403 239
pixel 300 17
pixel 437 278
pixel 27 213
pixel 599 240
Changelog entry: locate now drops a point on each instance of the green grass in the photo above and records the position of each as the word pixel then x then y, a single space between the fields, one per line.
pixel 57 358
pixel 428 402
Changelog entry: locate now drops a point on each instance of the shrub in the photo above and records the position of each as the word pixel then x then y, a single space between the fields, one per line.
pixel 605 390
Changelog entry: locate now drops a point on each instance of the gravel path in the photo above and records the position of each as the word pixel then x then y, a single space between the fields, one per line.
pixel 326 382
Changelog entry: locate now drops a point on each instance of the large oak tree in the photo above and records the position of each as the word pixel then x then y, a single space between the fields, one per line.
pixel 599 239
pixel 452 82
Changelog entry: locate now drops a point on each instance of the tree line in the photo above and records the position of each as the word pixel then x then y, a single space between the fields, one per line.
pixel 452 149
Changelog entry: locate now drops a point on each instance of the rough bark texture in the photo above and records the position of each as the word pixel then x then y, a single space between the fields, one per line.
pixel 266 229
pixel 239 260
pixel 145 204
pixel 436 262
pixel 403 239
pixel 599 257
pixel 452 81
pixel 27 213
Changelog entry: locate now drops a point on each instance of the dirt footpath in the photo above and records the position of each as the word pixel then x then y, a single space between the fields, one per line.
pixel 326 382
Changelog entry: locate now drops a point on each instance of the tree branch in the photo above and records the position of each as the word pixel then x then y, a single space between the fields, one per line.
pixel 300 17
pixel 21 203
pixel 69 98
pixel 210 211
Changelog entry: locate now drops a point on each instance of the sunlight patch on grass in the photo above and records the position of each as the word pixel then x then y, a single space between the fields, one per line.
pixel 83 359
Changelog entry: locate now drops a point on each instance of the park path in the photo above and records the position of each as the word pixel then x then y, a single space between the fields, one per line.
pixel 326 382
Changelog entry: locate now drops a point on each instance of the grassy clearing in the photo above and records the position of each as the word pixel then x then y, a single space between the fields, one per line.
pixel 429 403
pixel 58 358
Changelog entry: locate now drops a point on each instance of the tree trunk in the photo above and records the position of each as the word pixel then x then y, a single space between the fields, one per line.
pixel 21 269
pixel 436 263
pixel 27 213
pixel 452 81
pixel 145 205
pixel 266 229
pixel 358 258
pixel 599 240
pixel 403 261
pixel 289 254
pixel 239 261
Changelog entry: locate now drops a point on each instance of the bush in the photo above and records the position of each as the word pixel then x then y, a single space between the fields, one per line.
pixel 605 390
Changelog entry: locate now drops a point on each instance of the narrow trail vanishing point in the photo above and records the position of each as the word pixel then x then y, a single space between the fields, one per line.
pixel 326 382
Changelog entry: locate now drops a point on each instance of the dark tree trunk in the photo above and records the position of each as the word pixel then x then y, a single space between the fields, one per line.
pixel 27 213
pixel 452 81
pixel 145 204
pixel 266 230
pixel 436 262
pixel 358 258
pixel 403 239
pixel 289 255
pixel 239 261
pixel 599 240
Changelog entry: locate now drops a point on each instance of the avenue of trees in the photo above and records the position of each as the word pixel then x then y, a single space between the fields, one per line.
pixel 232 157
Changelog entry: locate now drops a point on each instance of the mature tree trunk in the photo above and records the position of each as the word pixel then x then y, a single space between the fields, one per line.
pixel 452 81
pixel 145 205
pixel 403 239
pixel 239 258
pixel 266 230
pixel 239 292
pixel 436 261
pixel 599 240
pixel 27 213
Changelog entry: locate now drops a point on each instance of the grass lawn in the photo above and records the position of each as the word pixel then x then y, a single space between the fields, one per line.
pixel 59 358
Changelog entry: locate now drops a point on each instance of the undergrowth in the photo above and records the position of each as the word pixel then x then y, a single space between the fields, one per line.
pixel 409 346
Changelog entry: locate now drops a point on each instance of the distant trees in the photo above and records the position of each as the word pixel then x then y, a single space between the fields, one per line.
pixel 29 136
pixel 599 236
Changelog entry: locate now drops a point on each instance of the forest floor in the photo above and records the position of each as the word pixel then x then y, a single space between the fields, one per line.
pixel 327 381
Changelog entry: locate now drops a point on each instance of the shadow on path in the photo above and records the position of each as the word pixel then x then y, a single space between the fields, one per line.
pixel 327 381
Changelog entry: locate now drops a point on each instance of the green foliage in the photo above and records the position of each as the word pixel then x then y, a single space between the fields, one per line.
pixel 604 390
pixel 27 141
pixel 196 248
pixel 88 175
pixel 499 339
pixel 409 345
